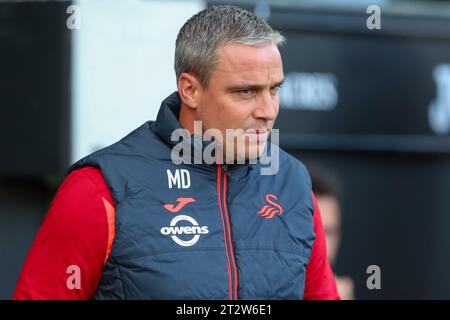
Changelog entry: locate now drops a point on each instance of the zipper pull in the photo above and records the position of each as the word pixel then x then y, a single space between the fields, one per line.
pixel 225 168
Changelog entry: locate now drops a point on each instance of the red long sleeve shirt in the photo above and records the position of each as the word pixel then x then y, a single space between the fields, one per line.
pixel 78 230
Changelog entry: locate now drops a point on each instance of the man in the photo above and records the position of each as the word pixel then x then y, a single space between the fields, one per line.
pixel 130 223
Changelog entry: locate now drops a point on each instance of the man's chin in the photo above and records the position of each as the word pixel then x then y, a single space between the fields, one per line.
pixel 251 152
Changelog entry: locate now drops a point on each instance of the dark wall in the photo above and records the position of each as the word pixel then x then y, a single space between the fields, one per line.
pixel 35 88
pixel 23 203
pixel 34 123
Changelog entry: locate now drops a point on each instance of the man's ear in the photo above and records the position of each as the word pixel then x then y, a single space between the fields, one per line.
pixel 189 89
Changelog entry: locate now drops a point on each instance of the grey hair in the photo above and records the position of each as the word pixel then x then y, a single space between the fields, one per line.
pixel 200 37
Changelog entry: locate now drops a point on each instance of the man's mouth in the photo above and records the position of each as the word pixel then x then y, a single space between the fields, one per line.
pixel 260 134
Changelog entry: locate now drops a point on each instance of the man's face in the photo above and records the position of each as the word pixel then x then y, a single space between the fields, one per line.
pixel 242 94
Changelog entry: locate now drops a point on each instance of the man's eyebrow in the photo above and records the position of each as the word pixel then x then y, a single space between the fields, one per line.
pixel 255 87
pixel 279 83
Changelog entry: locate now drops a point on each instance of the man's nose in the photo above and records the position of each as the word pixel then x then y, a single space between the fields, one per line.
pixel 267 107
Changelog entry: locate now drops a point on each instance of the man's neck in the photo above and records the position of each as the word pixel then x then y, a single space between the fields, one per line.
pixel 186 118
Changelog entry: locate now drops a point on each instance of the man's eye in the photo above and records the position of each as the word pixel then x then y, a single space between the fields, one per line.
pixel 246 92
pixel 275 89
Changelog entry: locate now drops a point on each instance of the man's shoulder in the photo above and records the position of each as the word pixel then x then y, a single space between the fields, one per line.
pixel 142 135
pixel 86 181
pixel 141 143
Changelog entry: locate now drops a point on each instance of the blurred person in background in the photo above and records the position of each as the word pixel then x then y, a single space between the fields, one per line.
pixel 326 187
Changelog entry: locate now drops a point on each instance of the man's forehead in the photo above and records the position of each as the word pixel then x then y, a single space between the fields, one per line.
pixel 248 62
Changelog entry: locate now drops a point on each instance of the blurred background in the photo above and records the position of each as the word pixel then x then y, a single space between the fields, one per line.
pixel 366 108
